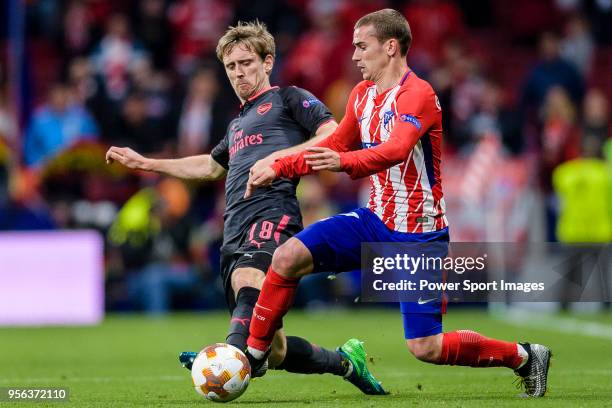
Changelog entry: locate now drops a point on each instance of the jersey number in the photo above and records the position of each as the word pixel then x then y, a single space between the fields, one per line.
pixel 266 230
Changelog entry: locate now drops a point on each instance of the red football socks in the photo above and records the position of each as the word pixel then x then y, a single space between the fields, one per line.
pixel 468 348
pixel 276 297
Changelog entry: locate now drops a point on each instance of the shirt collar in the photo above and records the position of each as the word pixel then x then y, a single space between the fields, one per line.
pixel 405 77
pixel 257 95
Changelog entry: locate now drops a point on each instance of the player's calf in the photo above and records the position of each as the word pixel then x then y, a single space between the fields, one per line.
pixel 238 330
pixel 469 348
pixel 278 350
pixel 277 293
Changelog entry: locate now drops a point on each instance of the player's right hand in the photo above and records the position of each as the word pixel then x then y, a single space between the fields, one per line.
pixel 259 177
pixel 126 156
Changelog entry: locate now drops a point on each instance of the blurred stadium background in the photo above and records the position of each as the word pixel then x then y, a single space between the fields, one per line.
pixel 525 88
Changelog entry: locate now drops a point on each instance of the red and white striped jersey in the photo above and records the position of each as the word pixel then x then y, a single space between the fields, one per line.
pixel 400 135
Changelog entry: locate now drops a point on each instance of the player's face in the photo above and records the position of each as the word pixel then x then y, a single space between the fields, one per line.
pixel 247 72
pixel 369 54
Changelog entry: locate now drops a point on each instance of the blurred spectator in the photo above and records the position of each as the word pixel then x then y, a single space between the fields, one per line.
pixel 153 29
pixel 198 118
pixel 81 79
pixel 146 87
pixel 18 209
pixel 115 56
pixel 600 15
pixel 443 83
pixel 136 129
pixel 8 126
pixel 560 134
pixel 310 56
pixel 153 230
pixel 560 142
pixel 197 24
pixel 568 6
pixel 76 29
pixel 432 23
pixel 550 71
pixel 607 154
pixel 155 86
pixel 596 119
pixel 4 173
pixel 42 17
pixel 585 217
pixel 338 91
pixel 577 46
pixel 467 92
pixel 485 120
pixel 494 119
pixel 525 19
pixel 57 125
pixel 314 201
pixel 89 92
pixel 582 186
pixel 286 19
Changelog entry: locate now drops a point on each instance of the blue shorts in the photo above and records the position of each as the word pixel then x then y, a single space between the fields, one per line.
pixel 335 245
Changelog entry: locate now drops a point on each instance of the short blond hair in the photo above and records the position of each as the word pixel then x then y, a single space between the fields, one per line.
pixel 254 35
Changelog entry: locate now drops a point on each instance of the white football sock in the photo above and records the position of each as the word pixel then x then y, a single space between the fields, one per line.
pixel 350 369
pixel 523 353
pixel 258 354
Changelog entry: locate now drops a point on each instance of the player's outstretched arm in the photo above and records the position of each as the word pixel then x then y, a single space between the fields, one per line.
pixel 296 165
pixel 323 158
pixel 321 134
pixel 417 112
pixel 202 167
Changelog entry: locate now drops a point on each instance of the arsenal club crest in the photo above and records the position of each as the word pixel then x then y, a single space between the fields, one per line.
pixel 264 108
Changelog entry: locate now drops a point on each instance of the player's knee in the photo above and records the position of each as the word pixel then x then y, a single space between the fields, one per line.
pixel 424 348
pixel 247 277
pixel 289 258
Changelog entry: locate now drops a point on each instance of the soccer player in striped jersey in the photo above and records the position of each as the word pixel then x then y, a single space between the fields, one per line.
pixel 391 132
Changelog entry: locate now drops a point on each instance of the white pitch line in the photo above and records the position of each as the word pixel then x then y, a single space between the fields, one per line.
pixel 560 324
pixel 94 379
pixel 409 373
pixel 412 373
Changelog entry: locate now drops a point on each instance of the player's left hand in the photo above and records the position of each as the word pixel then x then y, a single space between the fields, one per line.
pixel 259 176
pixel 323 158
pixel 260 165
pixel 266 161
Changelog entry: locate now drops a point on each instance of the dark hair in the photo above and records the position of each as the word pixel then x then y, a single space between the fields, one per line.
pixel 389 23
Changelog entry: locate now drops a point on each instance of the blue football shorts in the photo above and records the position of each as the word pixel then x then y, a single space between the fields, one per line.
pixel 335 245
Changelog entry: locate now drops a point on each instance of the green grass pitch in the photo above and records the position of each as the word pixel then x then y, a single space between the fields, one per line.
pixel 132 361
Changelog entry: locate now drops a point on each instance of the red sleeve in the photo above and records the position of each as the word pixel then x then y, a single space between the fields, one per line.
pixel 344 139
pixel 415 115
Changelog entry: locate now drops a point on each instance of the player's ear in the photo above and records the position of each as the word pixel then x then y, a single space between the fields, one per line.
pixel 268 64
pixel 391 47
